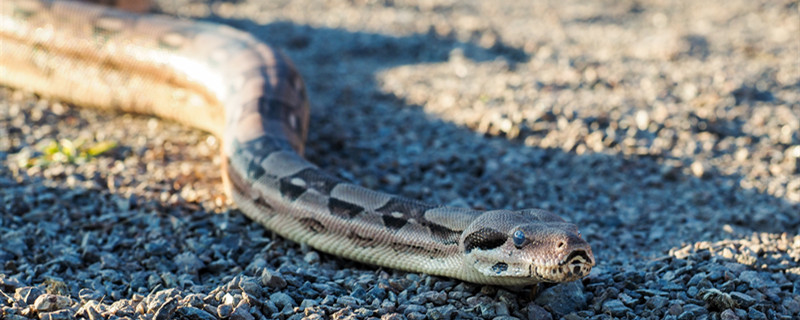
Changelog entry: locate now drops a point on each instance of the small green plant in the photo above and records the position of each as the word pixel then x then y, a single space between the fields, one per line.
pixel 69 151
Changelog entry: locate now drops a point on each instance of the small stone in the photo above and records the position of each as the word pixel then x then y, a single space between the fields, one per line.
pixel 716 299
pixel 272 280
pixel 657 302
pixel 742 300
pixel 728 314
pixel 414 308
pixel 755 314
pixel 251 286
pixel 563 298
pixel 193 313
pixel 377 293
pixel 692 311
pixel 615 308
pixel 627 299
pixel 415 316
pixel 754 279
pixel 698 169
pixel 307 303
pixel 56 315
pixel 438 298
pixel 536 312
pixel 282 300
pixel 392 316
pixel 312 257
pixel 675 308
pixel 349 301
pixel 27 295
pixel 188 262
pixel 329 300
pixel 443 312
pixel 241 313
pixel 51 302
pixel 695 280
pixel 224 310
pixel 792 305
pixel 359 293
pixel 692 291
pixel 487 310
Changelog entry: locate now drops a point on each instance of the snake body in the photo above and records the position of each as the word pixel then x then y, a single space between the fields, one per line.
pixel 221 80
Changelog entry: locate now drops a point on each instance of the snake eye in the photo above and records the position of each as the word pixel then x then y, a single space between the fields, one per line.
pixel 519 238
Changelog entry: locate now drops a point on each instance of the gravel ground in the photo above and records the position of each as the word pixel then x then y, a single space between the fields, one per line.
pixel 667 130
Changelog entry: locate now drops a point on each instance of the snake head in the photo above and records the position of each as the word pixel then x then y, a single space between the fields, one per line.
pixel 529 245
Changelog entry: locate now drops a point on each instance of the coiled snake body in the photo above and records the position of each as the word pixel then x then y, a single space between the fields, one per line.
pixel 224 81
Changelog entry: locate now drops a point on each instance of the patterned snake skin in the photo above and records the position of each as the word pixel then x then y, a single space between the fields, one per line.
pixel 224 81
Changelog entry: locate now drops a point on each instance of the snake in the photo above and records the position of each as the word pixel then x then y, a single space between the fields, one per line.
pixel 224 81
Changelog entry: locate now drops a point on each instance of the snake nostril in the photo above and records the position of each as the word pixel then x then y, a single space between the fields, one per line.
pixel 561 244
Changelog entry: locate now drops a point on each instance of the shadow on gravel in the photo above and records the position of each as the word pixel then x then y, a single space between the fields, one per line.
pixel 322 51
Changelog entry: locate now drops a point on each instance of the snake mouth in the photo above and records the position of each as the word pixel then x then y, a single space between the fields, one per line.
pixel 578 257
pixel 576 265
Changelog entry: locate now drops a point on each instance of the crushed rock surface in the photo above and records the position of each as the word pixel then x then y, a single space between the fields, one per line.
pixel 669 131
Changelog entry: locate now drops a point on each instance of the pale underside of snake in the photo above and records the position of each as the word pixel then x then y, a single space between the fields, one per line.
pixel 221 80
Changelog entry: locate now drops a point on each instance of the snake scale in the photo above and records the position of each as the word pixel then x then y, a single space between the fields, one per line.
pixel 224 81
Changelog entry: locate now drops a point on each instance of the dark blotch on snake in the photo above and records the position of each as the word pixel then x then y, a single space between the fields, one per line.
pixel 443 234
pixel 409 208
pixel 484 239
pixel 290 190
pixel 313 224
pixel 343 209
pixel 243 187
pixel 392 222
pixel 255 171
pixel 317 180
pixel 500 267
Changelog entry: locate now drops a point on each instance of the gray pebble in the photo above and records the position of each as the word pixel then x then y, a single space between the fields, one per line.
pixel 742 300
pixel 272 280
pixel 615 308
pixel 194 314
pixel 675 308
pixel 755 279
pixel 312 257
pixel 414 308
pixel 392 316
pixel 443 312
pixel 349 301
pixel 224 310
pixel 563 298
pixel 51 302
pixel 415 316
pixel 487 310
pixel 792 304
pixel 329 300
pixel 627 299
pixel 282 300
pixel 56 315
pixel 657 302
pixel 536 312
pixel 241 313
pixel 691 311
pixel 755 314
pixel 728 314
pixel 27 295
